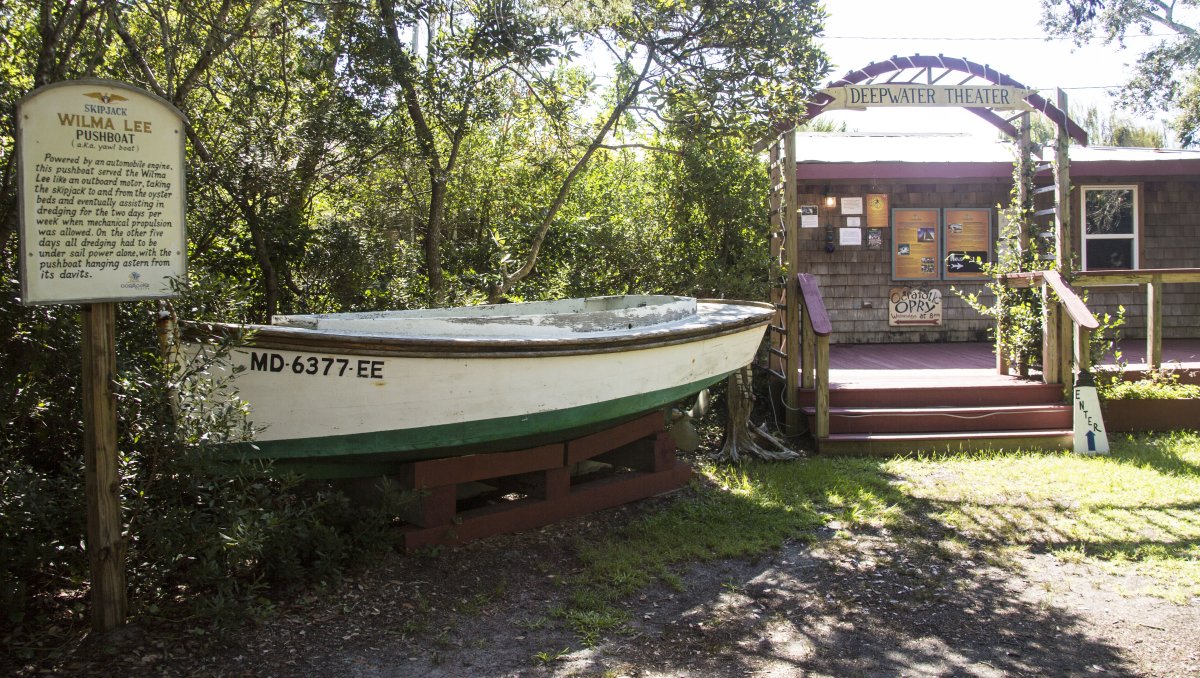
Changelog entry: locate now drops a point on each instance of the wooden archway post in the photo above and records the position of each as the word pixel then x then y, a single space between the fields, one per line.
pixel 791 225
pixel 1060 341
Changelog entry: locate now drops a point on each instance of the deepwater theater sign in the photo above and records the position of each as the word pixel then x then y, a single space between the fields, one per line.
pixel 859 97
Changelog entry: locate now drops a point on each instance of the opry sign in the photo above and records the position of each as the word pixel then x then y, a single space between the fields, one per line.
pixel 861 97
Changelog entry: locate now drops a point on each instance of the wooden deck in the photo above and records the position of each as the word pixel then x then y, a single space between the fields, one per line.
pixel 967 363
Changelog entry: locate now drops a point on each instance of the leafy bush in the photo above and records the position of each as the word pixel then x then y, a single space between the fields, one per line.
pixel 1161 385
pixel 201 537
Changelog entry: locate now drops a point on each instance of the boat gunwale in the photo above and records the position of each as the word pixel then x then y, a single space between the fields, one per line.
pixel 303 339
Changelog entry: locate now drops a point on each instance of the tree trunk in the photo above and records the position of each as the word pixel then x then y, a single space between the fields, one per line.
pixel 742 437
pixel 433 238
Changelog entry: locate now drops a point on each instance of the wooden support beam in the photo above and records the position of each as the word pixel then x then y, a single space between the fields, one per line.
pixel 1051 361
pixel 102 480
pixel 1154 322
pixel 1066 345
pixel 1064 250
pixel 1083 353
pixel 808 352
pixel 791 224
pixel 822 386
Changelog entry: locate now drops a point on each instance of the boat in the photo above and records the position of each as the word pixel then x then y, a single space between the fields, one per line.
pixel 355 394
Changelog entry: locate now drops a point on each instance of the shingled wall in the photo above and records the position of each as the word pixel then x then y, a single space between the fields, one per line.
pixel 855 280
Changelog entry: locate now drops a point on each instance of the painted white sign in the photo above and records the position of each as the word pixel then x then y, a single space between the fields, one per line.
pixel 849 236
pixel 861 97
pixel 1090 436
pixel 914 306
pixel 102 193
pixel 852 205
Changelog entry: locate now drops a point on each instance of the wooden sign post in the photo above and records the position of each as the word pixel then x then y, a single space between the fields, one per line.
pixel 102 479
pixel 101 185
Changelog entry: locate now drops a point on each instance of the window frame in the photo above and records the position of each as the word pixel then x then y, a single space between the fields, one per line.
pixel 1135 237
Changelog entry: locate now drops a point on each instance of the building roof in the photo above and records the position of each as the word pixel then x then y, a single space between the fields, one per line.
pixel 830 156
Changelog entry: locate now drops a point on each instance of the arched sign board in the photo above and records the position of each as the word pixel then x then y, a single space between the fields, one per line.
pixel 102 194
pixel 861 97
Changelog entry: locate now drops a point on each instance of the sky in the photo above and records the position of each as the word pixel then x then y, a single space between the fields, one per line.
pixel 858 32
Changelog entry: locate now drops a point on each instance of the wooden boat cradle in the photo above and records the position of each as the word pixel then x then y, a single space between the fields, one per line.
pixel 638 457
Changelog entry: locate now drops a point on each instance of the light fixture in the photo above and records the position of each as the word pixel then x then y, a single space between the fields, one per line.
pixel 830 201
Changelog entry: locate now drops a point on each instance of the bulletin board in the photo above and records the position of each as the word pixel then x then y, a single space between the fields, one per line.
pixel 968 240
pixel 916 244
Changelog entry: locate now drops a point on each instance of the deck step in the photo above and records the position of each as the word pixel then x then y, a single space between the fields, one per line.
pixel 945 419
pixel 944 442
pixel 991 395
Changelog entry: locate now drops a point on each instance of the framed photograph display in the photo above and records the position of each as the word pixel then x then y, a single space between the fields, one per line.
pixel 916 245
pixel 967 242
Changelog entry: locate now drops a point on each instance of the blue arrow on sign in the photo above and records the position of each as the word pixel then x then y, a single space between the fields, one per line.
pixel 1091 438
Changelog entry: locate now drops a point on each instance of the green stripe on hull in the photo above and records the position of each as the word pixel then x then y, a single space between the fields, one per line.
pixel 379 452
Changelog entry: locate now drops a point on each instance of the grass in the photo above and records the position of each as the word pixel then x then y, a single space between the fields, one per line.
pixel 1137 510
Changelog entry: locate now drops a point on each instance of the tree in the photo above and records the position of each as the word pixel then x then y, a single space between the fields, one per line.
pixel 701 67
pixel 717 64
pixel 1167 75
pixel 1103 129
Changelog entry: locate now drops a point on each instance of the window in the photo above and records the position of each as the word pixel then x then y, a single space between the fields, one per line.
pixel 1110 227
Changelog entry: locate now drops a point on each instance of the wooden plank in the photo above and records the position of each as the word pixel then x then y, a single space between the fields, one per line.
pixel 791 225
pixel 822 386
pixel 435 506
pixel 526 514
pixel 808 353
pixel 422 475
pixel 1064 249
pixel 1066 345
pixel 814 304
pixel 1072 304
pixel 102 480
pixel 1141 276
pixel 589 446
pixel 647 454
pixel 1050 339
pixel 1154 322
pixel 1025 157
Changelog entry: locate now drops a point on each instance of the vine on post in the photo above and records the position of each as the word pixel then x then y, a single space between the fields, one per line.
pixel 1017 312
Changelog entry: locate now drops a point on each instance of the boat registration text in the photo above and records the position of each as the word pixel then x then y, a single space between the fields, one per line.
pixel 324 366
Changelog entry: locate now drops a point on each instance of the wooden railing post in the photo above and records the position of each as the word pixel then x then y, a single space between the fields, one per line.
pixel 818 326
pixel 1001 359
pixel 822 387
pixel 1051 356
pixel 1154 322
pixel 1066 344
pixel 808 351
pixel 1083 352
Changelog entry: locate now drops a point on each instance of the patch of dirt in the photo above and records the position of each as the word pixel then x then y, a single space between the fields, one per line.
pixel 848 603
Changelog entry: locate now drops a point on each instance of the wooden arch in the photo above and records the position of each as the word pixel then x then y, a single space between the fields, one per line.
pixel 928 70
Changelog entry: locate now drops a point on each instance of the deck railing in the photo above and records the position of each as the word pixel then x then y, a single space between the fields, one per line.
pixel 1067 325
pixel 815 329
pixel 1154 279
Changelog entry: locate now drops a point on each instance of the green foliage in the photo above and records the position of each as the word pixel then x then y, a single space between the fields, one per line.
pixel 1103 129
pixel 200 536
pixel 323 157
pixel 1017 311
pixel 1161 385
pixel 1165 75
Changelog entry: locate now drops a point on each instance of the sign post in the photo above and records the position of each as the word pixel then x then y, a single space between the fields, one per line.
pixel 102 195
pixel 1090 436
